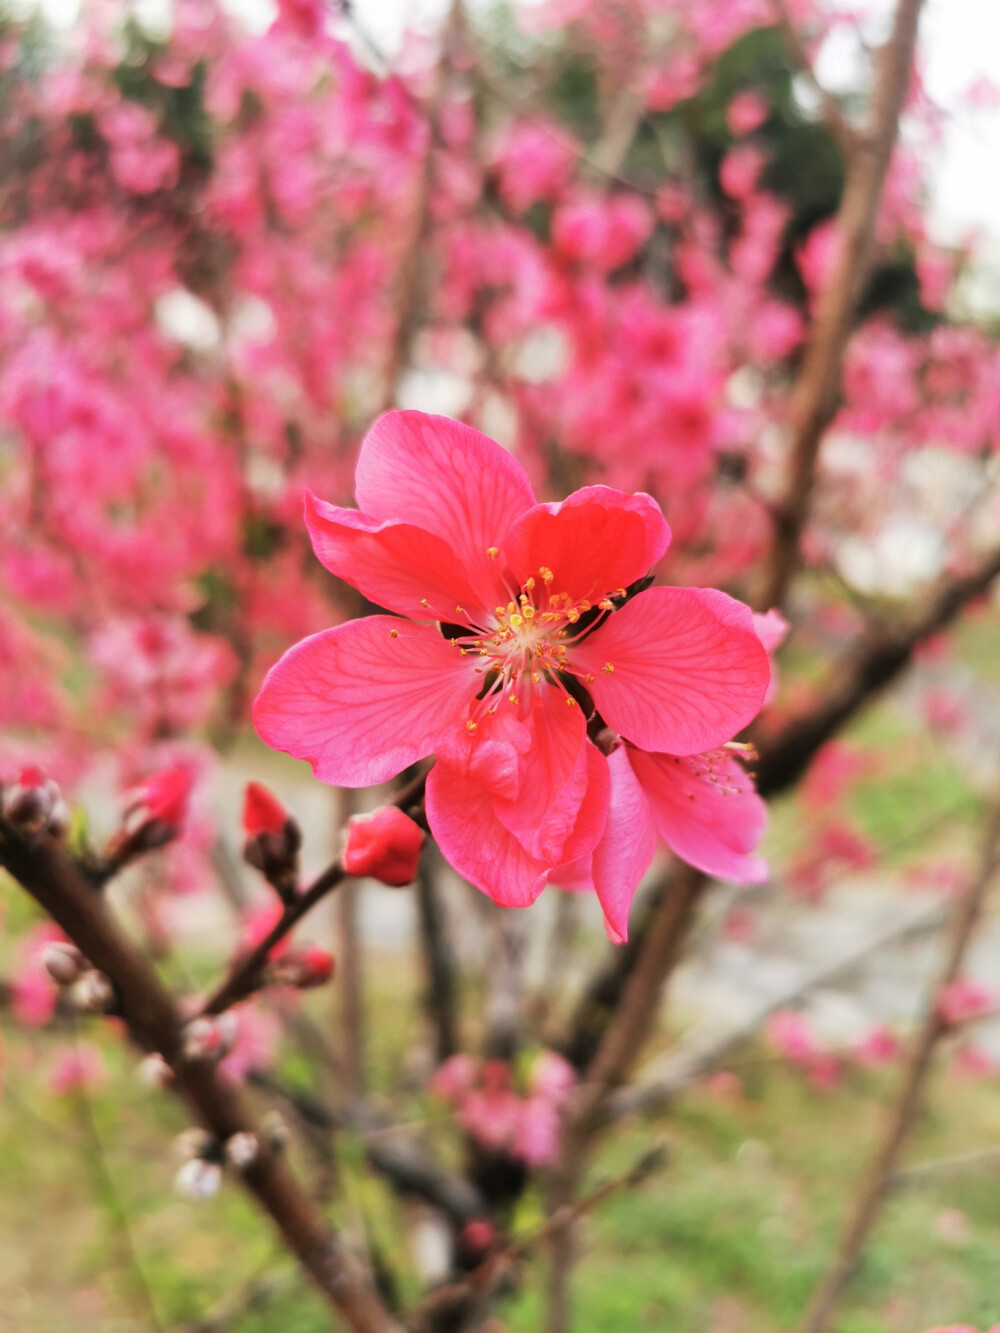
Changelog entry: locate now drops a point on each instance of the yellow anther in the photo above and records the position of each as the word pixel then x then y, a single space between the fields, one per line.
pixel 394 634
pixel 589 678
pixel 460 610
pixel 536 678
pixel 463 652
pixel 470 725
pixel 490 711
pixel 546 573
pixel 511 608
pixel 621 592
pixel 492 552
pixel 512 698
pixel 573 616
pixel 516 620
pixel 501 610
pixel 424 601
pixel 584 605
pixel 570 701
pixel 608 668
pixel 530 584
pixel 529 612
pixel 607 604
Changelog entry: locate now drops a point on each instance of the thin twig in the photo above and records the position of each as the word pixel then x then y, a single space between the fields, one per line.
pixel 836 122
pixel 901 1116
pixel 482 1281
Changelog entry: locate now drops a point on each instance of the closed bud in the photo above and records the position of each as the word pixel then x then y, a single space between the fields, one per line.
pixel 64 963
pixel 242 1150
pixel 302 965
pixel 384 845
pixel 93 993
pixel 34 804
pixel 476 1239
pixel 209 1039
pixel 156 813
pixel 273 839
pixel 199 1179
pixel 154 1071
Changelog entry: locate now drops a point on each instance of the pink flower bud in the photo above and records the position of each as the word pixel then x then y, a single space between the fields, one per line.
pixel 209 1039
pixel 158 809
pixel 273 839
pixel 384 845
pixel 302 965
pixel 34 803
pixel 477 1238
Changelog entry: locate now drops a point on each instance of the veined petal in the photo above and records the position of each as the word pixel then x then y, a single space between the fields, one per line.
pixel 706 810
pixel 462 818
pixel 595 541
pixel 364 700
pixel 553 783
pixel 625 851
pixel 450 480
pixel 676 670
pixel 396 565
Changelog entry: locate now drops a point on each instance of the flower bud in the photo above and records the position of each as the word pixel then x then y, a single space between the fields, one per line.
pixel 157 812
pixel 154 1071
pixel 199 1179
pixel 475 1240
pixel 209 1039
pixel 273 839
pixel 64 962
pixel 242 1150
pixel 93 993
pixel 384 845
pixel 34 804
pixel 302 965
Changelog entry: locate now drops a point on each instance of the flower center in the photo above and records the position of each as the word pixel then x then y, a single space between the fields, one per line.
pixel 528 643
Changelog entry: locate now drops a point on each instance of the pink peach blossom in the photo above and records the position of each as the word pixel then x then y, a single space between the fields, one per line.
pixel 536 613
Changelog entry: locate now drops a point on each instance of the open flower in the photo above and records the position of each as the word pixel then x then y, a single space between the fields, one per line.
pixel 546 635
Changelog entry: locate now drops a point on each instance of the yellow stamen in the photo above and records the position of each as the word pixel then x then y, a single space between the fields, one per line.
pixel 424 601
pixel 570 702
pixel 589 678
pixel 516 620
pixel 608 668
pixel 470 725
pixel 492 552
pixel 394 634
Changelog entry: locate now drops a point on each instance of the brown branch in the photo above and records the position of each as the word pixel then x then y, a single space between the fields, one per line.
pixel 46 872
pixel 873 665
pixel 816 393
pixel 245 974
pixel 843 132
pixel 693 1059
pixel 441 998
pixel 455 1298
pixel 901 1116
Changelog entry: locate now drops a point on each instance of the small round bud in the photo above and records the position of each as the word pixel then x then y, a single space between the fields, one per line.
pixel 64 962
pixel 242 1150
pixel 199 1179
pixel 303 965
pixel 154 1071
pixel 273 839
pixel 93 993
pixel 209 1039
pixel 384 845
pixel 34 804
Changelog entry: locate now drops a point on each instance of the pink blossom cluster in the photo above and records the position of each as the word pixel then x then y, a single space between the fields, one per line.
pixel 496 1116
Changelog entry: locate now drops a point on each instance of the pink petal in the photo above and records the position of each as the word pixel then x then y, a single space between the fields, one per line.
pixel 553 782
pixel 625 851
pixel 450 480
pixel 395 565
pixel 706 810
pixel 365 700
pixel 461 816
pixel 678 670
pixel 596 541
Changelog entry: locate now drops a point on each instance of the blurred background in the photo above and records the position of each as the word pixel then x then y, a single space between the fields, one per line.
pixel 605 232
